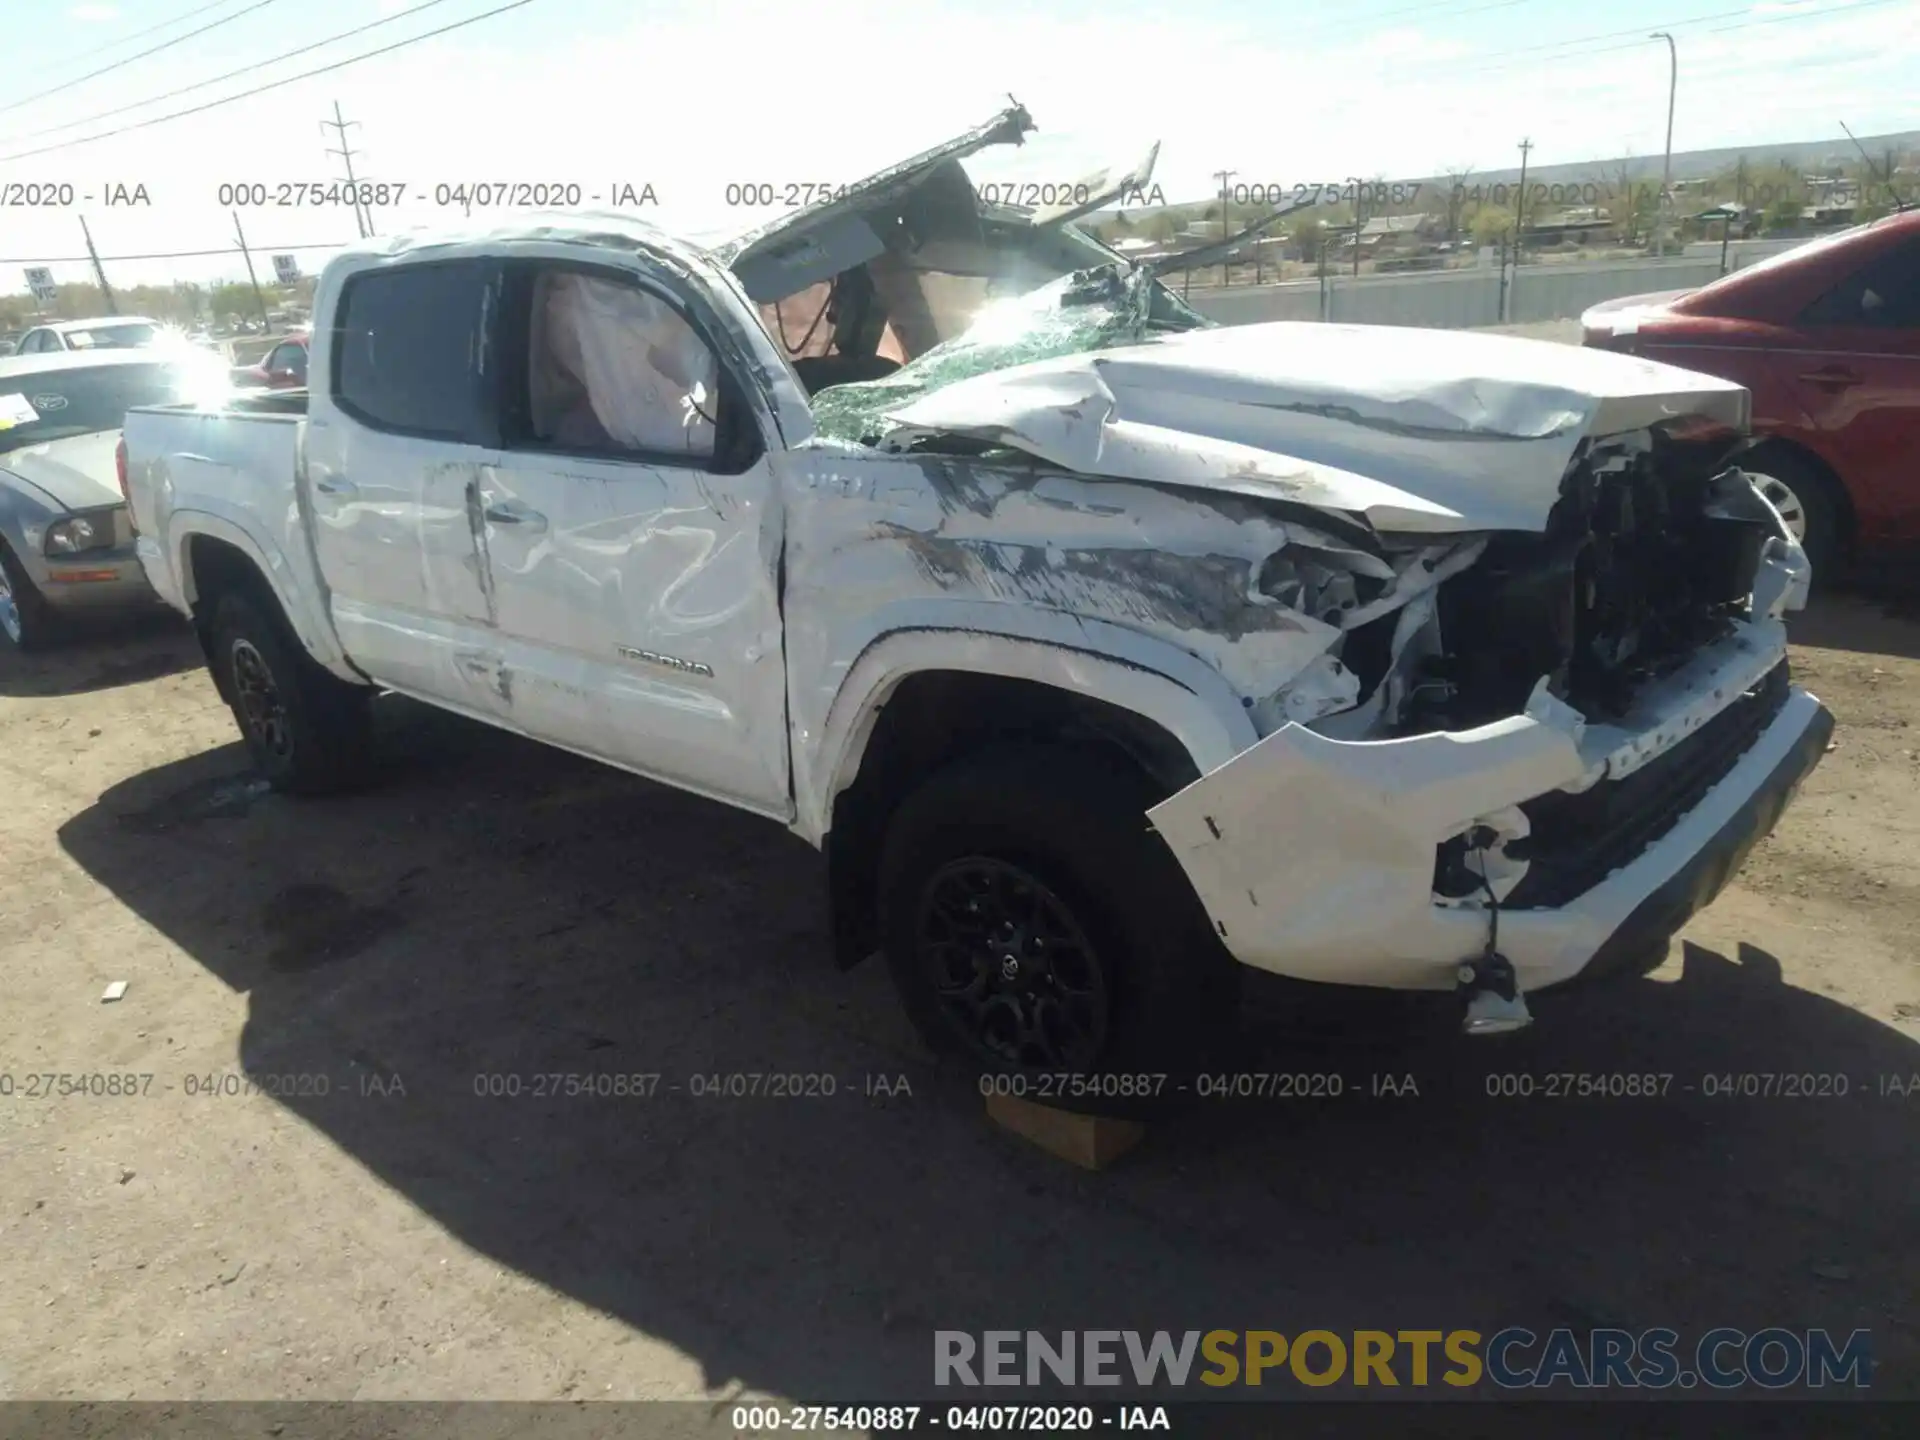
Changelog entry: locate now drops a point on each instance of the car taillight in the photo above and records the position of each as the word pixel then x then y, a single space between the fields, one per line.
pixel 120 473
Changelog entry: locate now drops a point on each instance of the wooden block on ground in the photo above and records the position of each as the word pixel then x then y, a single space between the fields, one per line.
pixel 1092 1142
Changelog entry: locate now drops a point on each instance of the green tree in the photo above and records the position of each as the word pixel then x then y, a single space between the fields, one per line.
pixel 1455 199
pixel 1489 223
pixel 229 299
pixel 1305 234
pixel 1782 213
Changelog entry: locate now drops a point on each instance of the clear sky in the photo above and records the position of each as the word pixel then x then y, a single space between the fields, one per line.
pixel 693 95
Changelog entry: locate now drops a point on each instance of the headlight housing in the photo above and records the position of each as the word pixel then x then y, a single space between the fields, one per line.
pixel 77 534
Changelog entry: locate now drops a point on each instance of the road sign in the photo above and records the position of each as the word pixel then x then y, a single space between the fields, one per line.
pixel 286 269
pixel 40 282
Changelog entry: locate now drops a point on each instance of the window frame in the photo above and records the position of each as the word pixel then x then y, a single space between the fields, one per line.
pixel 485 420
pixel 289 345
pixel 737 441
pixel 1859 280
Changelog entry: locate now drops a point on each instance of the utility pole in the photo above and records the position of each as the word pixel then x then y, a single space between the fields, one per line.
pixel 106 291
pixel 1666 165
pixel 258 298
pixel 1226 230
pixel 1359 222
pixel 1520 205
pixel 361 221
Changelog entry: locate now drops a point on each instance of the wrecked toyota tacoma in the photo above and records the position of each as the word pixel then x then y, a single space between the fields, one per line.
pixel 1103 652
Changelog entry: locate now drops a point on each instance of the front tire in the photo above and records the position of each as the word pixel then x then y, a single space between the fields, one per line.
pixel 1037 928
pixel 26 620
pixel 307 732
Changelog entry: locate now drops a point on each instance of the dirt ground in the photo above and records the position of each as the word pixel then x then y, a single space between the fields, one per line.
pixel 494 909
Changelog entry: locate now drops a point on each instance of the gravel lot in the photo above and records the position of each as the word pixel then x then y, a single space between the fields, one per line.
pixel 496 909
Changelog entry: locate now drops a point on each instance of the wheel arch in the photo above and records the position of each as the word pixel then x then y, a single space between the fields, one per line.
pixel 917 700
pixel 1822 470
pixel 212 555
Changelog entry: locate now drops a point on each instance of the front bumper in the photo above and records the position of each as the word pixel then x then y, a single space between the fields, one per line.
pixel 96 580
pixel 1315 858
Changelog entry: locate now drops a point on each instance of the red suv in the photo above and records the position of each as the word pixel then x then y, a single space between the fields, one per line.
pixel 1827 337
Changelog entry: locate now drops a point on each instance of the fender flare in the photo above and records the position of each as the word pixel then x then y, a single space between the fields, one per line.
pixel 1152 678
pixel 271 563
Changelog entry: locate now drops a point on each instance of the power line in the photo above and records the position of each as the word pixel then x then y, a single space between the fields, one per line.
pixel 1445 12
pixel 244 69
pixel 1828 13
pixel 138 34
pixel 1616 34
pixel 1776 19
pixel 270 85
pixel 150 50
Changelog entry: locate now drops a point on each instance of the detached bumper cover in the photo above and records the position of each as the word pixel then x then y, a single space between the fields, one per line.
pixel 1315 857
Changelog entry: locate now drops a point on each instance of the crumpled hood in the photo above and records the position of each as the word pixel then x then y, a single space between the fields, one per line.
pixel 1418 430
pixel 77 472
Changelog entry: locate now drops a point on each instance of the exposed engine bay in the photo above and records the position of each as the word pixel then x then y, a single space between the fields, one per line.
pixel 1651 553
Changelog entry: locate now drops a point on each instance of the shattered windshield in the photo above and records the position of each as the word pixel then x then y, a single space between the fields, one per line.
pixel 1096 309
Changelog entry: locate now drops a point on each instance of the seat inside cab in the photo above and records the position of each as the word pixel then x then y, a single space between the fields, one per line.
pixel 872 285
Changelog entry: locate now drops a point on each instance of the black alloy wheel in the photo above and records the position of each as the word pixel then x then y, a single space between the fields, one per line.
pixel 1012 966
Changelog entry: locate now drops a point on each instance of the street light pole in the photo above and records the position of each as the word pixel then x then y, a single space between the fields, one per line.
pixel 1666 164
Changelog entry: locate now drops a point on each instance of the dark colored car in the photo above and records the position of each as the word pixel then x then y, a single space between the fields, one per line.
pixel 1827 337
pixel 283 368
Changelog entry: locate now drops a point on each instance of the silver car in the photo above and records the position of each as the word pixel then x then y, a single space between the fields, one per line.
pixel 106 332
pixel 65 541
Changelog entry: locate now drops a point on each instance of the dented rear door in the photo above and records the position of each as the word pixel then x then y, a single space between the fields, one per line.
pixel 397 433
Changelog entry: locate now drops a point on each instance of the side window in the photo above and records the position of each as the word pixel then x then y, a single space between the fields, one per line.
pixel 614 369
pixel 1884 295
pixel 409 349
pixel 290 357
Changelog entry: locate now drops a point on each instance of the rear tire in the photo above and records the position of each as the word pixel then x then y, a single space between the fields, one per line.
pixel 1805 500
pixel 308 732
pixel 1037 927
pixel 27 622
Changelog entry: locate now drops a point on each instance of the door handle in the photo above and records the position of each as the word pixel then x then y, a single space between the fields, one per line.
pixel 1833 378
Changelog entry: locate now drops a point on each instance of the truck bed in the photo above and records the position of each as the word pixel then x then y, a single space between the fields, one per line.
pixel 236 470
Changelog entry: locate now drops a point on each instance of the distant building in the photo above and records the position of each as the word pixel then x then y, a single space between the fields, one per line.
pixel 1584 226
pixel 1390 234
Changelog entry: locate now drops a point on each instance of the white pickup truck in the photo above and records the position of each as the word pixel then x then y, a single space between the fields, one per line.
pixel 1100 649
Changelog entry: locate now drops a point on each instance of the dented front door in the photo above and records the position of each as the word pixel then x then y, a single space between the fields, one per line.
pixel 637 613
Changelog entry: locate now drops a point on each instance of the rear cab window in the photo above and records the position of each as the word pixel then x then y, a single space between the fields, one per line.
pixel 409 349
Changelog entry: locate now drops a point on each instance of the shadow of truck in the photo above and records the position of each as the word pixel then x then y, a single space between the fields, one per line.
pixel 501 909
